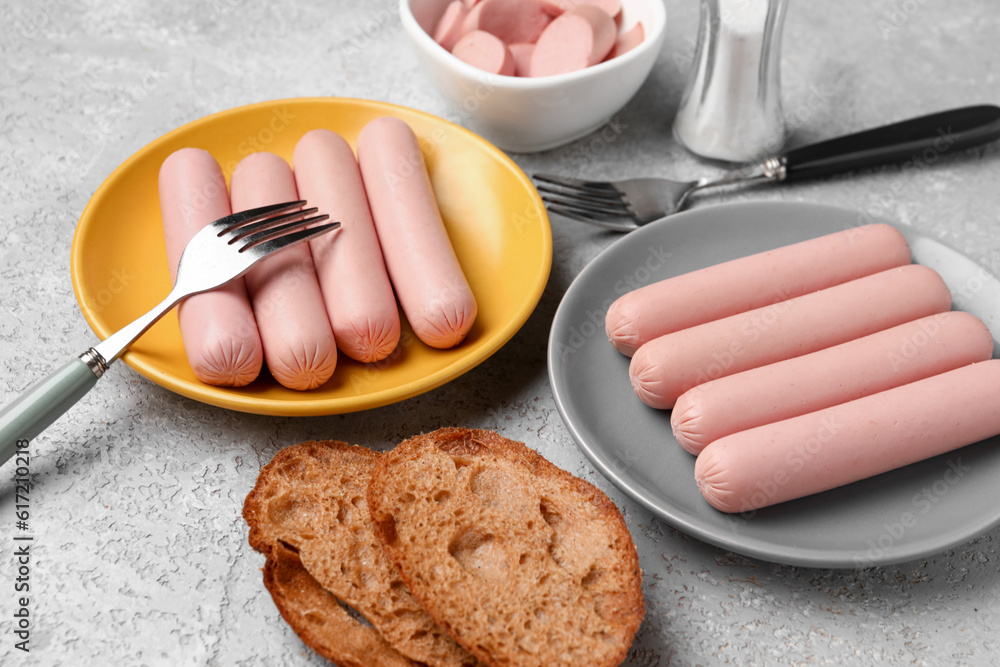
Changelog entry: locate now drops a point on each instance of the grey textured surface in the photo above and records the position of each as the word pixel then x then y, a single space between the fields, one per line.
pixel 140 555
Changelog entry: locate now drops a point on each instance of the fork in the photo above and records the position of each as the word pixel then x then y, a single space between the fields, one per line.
pixel 223 251
pixel 625 205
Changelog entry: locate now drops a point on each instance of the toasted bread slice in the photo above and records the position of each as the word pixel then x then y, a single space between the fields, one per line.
pixel 320 621
pixel 522 562
pixel 311 498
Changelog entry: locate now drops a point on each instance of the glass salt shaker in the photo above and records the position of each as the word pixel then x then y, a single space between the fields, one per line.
pixel 731 108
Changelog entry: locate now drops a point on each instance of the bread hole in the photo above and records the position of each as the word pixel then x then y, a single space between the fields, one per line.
pixel 555 553
pixel 387 527
pixel 407 498
pixel 359 556
pixel 529 645
pixel 523 559
pixel 290 547
pixel 549 514
pixel 477 551
pixel 593 574
pixel 467 542
pixel 461 462
pixel 442 496
pixel 419 634
pixel 357 500
pixel 398 591
pixel 292 513
pixel 343 514
pixel 554 519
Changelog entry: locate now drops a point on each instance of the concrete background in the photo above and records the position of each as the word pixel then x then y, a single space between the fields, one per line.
pixel 140 555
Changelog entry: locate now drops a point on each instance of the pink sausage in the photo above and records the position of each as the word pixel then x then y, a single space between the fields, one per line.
pixel 577 39
pixel 288 305
pixel 666 367
pixel 851 441
pixel 522 57
pixel 557 7
pixel 485 51
pixel 218 330
pixel 513 21
pixel 352 275
pixel 471 21
pixel 786 389
pixel 422 264
pixel 552 7
pixel 751 282
pixel 449 27
pixel 627 41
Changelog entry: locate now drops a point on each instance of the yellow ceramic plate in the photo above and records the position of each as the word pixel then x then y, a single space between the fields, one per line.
pixel 494 217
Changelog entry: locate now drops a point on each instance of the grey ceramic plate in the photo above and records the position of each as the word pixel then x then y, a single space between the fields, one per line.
pixel 908 513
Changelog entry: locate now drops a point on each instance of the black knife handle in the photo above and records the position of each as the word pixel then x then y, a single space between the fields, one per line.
pixel 919 139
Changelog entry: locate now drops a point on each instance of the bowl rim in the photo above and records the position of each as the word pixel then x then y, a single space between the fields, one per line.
pixel 426 42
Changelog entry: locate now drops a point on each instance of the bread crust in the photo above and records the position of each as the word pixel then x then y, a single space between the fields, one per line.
pixel 522 562
pixel 311 499
pixel 320 621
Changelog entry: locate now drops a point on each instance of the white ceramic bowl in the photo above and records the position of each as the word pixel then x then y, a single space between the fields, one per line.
pixel 525 115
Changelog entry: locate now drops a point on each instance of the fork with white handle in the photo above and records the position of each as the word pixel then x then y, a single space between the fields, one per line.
pixel 223 251
pixel 628 204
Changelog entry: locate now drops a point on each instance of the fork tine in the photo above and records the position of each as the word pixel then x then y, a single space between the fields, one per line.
pixel 270 233
pixel 229 222
pixel 595 187
pixel 618 208
pixel 294 238
pixel 609 197
pixel 618 224
pixel 243 231
pixel 589 212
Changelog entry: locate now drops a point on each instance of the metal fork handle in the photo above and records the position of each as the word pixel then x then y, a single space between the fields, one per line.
pixel 44 402
pixel 115 345
pixel 771 170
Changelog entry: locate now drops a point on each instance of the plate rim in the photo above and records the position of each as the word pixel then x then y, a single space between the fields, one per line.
pixel 224 397
pixel 783 554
